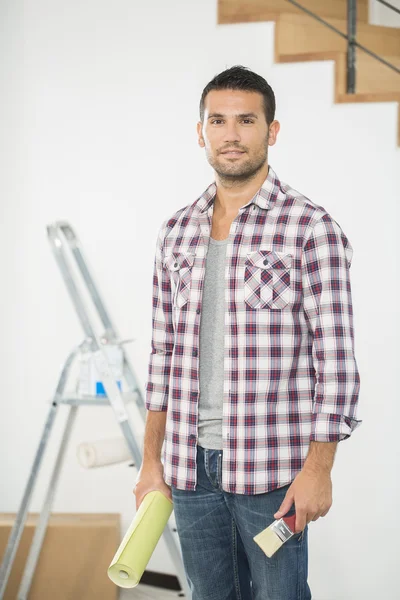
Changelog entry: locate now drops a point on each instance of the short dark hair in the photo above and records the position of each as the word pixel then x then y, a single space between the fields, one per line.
pixel 241 78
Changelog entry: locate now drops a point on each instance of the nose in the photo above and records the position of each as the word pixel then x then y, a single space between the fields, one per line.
pixel 231 133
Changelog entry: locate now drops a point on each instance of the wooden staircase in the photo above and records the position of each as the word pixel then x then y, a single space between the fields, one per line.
pixel 299 38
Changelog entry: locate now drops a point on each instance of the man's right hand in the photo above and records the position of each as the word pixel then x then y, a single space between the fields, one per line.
pixel 149 479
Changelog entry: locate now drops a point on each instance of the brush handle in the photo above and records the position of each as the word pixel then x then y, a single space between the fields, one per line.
pixel 290 522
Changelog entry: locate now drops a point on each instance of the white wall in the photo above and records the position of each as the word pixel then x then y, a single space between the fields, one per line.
pixel 98 111
pixel 379 14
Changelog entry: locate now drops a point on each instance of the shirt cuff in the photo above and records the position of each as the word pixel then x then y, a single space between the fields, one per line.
pixel 156 400
pixel 330 427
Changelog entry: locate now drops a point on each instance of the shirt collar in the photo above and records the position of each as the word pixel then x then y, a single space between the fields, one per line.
pixel 265 197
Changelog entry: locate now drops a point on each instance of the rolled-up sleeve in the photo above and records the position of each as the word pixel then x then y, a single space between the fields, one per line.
pixel 327 302
pixel 162 340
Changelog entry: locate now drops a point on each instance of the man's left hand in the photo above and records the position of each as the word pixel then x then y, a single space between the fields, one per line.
pixel 312 494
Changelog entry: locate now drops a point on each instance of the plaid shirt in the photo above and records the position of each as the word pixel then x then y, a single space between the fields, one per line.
pixel 290 375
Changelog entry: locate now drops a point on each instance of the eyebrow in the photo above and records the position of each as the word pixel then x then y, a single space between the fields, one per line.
pixel 241 116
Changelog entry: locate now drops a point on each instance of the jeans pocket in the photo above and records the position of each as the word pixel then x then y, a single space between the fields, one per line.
pixel 301 536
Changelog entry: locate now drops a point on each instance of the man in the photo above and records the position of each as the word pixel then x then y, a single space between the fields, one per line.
pixel 252 375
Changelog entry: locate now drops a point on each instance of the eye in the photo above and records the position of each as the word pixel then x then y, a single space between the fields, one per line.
pixel 247 121
pixel 216 121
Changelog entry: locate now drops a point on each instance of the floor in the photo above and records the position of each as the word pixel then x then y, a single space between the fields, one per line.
pixel 146 592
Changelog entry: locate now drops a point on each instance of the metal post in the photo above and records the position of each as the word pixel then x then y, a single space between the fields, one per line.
pixel 351 45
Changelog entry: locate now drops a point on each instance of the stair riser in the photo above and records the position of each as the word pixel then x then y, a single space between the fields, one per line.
pixel 297 35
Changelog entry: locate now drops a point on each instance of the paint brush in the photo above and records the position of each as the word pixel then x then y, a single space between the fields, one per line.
pixel 274 536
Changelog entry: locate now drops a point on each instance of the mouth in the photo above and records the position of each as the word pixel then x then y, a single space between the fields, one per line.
pixel 232 153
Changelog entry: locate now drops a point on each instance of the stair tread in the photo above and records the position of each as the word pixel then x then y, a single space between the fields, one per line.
pixel 234 11
pixel 370 97
pixel 331 55
pixel 342 24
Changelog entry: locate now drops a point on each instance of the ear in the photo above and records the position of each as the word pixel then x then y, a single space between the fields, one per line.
pixel 200 134
pixel 273 132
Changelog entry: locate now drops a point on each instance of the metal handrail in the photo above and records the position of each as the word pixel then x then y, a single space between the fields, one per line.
pixel 389 6
pixel 351 45
pixel 351 40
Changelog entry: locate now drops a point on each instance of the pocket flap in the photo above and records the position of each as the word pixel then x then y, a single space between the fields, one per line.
pixel 266 259
pixel 178 260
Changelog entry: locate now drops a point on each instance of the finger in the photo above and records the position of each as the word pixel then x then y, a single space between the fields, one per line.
pixel 167 493
pixel 324 512
pixel 285 506
pixel 139 499
pixel 315 517
pixel 301 520
pixel 137 491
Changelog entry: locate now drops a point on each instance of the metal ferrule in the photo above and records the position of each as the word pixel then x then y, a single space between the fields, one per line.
pixel 282 530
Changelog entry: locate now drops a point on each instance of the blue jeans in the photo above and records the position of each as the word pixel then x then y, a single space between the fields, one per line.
pixel 216 530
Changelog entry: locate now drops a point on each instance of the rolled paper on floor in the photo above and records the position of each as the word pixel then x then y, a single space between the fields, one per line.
pixel 135 550
pixel 103 452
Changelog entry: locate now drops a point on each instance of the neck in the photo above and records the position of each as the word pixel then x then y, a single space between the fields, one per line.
pixel 233 194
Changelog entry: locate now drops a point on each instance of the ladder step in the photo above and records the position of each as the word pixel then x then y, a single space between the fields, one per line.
pixel 73 400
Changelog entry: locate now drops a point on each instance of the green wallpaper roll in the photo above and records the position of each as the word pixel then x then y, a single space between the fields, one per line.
pixel 140 540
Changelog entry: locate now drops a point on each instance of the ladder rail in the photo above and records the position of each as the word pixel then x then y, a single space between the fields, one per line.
pixel 57 246
pixel 19 523
pixel 61 234
pixel 57 243
pixel 18 527
pixel 132 382
pixel 112 391
pixel 76 249
pixel 41 527
pixel 111 334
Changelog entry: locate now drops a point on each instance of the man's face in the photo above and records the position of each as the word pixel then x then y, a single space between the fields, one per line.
pixel 235 133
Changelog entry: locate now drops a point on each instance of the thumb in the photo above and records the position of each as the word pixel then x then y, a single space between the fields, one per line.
pixel 285 506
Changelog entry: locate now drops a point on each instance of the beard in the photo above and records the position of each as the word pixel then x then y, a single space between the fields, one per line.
pixel 241 170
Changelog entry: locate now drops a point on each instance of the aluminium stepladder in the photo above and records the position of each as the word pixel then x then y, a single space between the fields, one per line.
pixel 67 251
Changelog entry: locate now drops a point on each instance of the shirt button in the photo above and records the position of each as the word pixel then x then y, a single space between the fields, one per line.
pixel 194 352
pixel 265 262
pixel 192 438
pixel 198 311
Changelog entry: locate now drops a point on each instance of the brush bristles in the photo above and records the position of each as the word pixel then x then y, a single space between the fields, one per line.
pixel 268 541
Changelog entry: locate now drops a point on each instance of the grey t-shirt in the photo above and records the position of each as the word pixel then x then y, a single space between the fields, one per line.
pixel 211 365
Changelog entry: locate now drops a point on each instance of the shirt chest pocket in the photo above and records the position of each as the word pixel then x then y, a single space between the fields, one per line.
pixel 267 279
pixel 179 266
